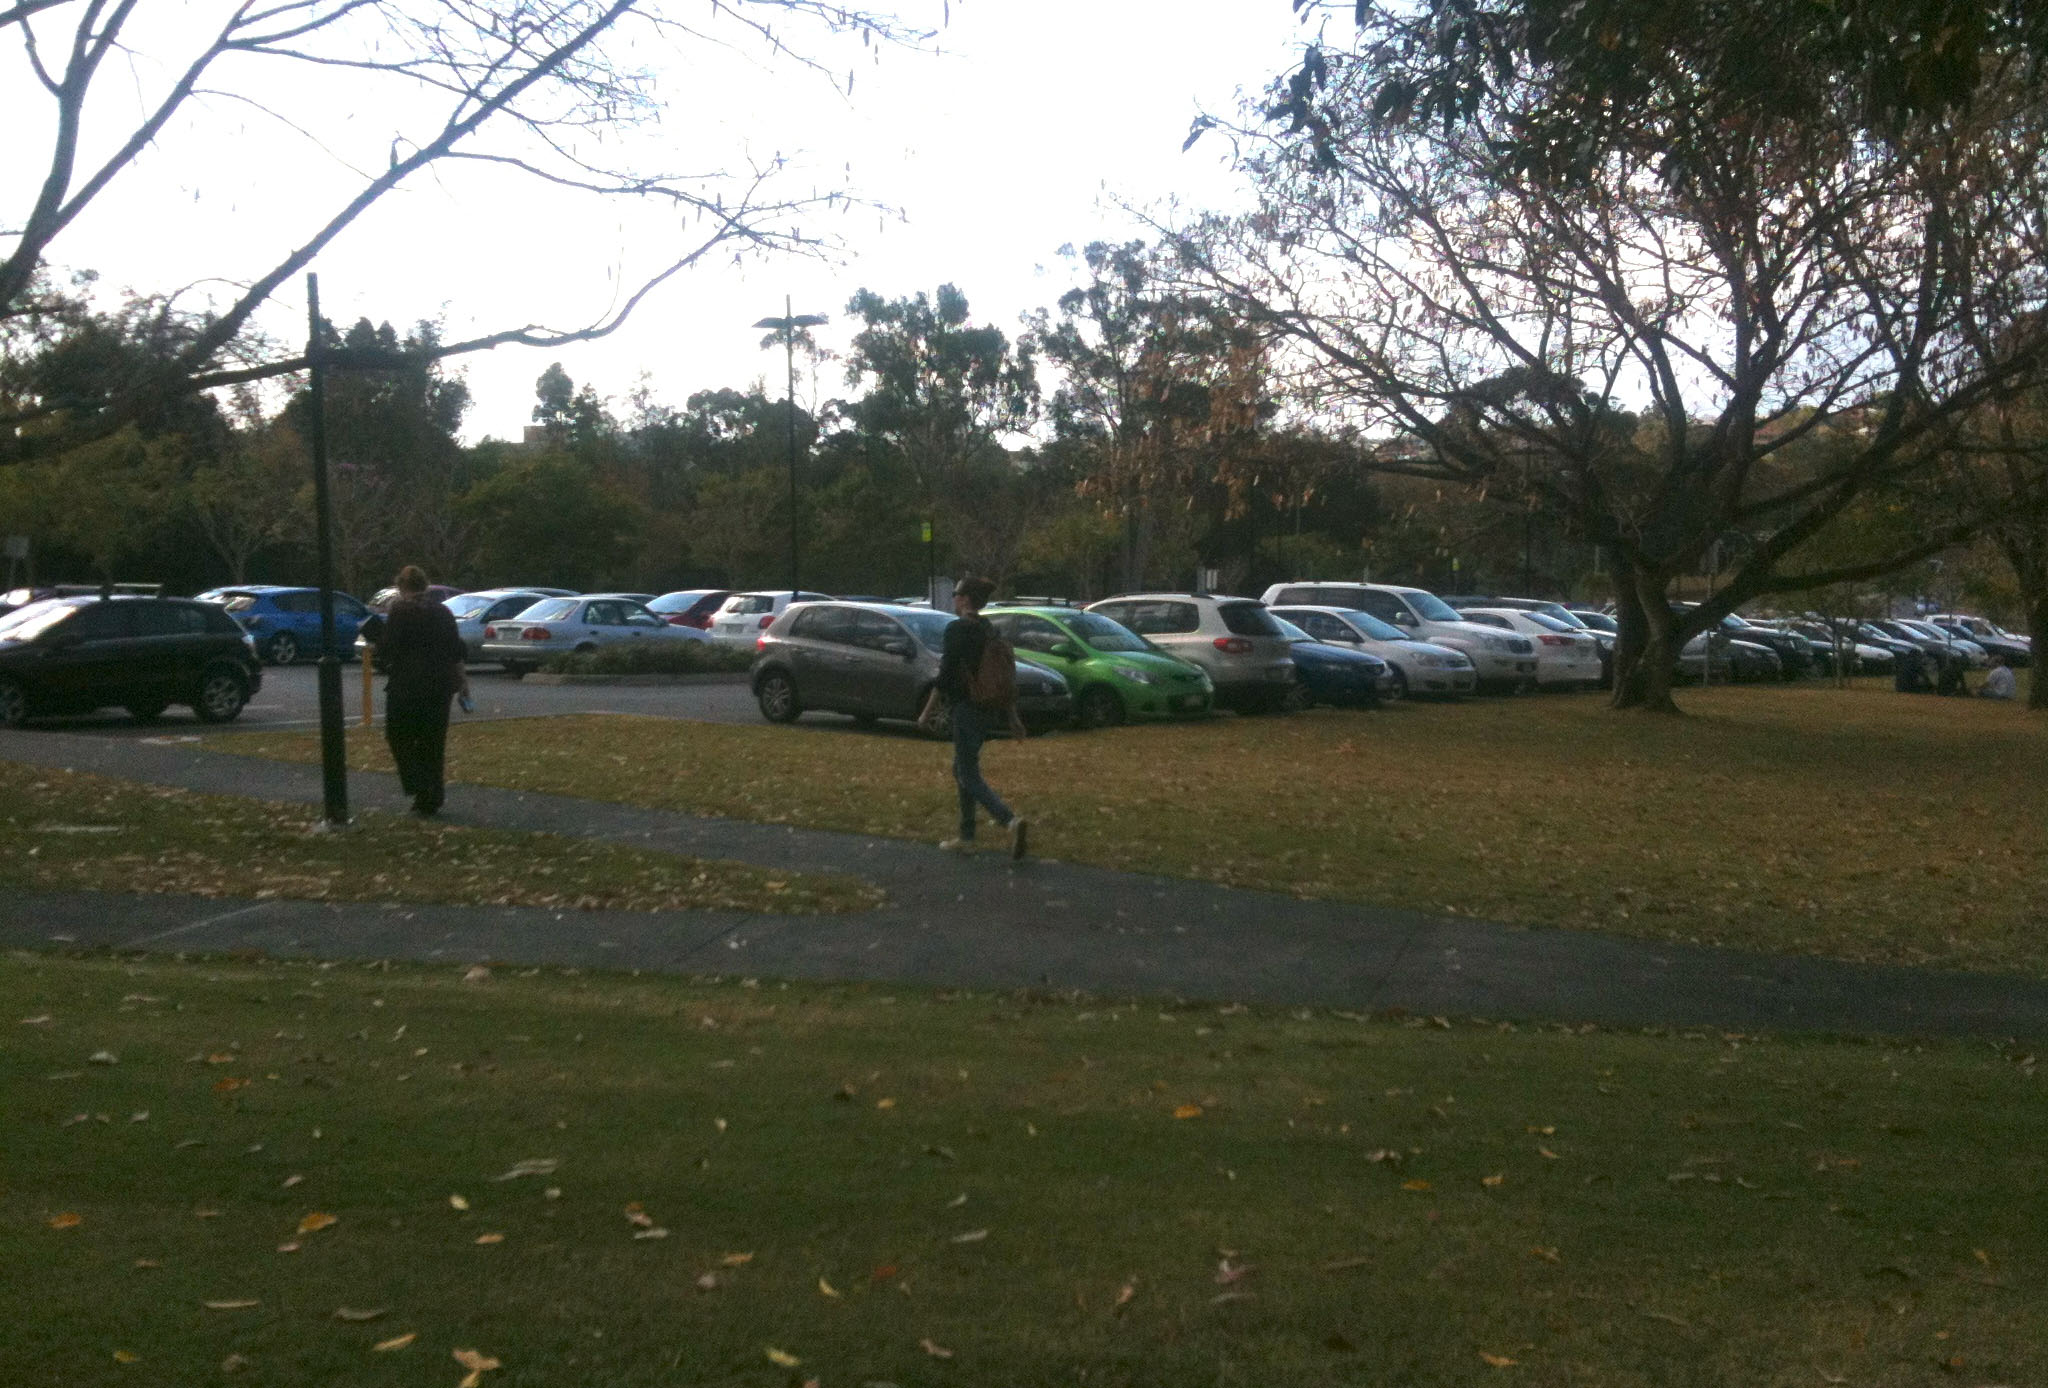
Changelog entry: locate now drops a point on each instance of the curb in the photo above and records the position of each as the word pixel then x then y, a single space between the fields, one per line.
pixel 712 677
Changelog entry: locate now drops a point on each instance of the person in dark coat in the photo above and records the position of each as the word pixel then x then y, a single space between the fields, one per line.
pixel 971 724
pixel 423 659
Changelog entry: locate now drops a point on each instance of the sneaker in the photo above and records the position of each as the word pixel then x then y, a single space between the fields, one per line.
pixel 1020 830
pixel 962 846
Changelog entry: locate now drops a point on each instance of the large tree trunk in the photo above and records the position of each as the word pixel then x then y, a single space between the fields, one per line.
pixel 2026 549
pixel 1646 656
pixel 2037 627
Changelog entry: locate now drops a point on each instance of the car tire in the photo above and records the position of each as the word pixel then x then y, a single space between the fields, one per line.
pixel 13 704
pixel 146 713
pixel 221 695
pixel 1100 707
pixel 284 649
pixel 1397 688
pixel 776 694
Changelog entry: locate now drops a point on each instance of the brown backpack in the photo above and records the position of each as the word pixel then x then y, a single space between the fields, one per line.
pixel 992 683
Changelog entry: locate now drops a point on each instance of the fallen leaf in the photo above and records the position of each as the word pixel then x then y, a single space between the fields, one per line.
pixel 235 1363
pixel 477 1364
pixel 103 1058
pixel 1188 1111
pixel 884 1272
pixel 708 1282
pixel 1228 1272
pixel 935 1351
pixel 1417 1184
pixel 1548 1255
pixel 229 1305
pixel 736 1260
pixel 1346 1264
pixel 147 1263
pixel 289 1247
pixel 67 1220
pixel 456 1202
pixel 1499 1361
pixel 127 1356
pixel 1546 1152
pixel 395 1342
pixel 228 1084
pixel 476 973
pixel 1124 1294
pixel 654 1233
pixel 971 1236
pixel 885 1103
pixel 316 1221
pixel 356 1317
pixel 637 1214
pixel 206 1214
pixel 827 1288
pixel 1547 1130
pixel 532 1166
pixel 490 1238
pixel 1497 1179
pixel 1223 1297
pixel 782 1359
pixel 291 1181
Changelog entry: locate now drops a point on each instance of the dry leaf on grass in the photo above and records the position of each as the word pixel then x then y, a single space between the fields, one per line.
pixel 935 1351
pixel 1548 1255
pixel 477 1363
pixel 316 1221
pixel 67 1220
pixel 396 1342
pixel 241 1305
pixel 532 1166
pixel 1228 1272
pixel 971 1236
pixel 655 1233
pixel 827 1289
pixel 1497 1179
pixel 736 1260
pixel 1499 1361
pixel 636 1214
pixel 127 1356
pixel 782 1359
pixel 490 1238
pixel 1188 1111
pixel 355 1316
pixel 456 1202
pixel 1417 1184
pixel 1124 1295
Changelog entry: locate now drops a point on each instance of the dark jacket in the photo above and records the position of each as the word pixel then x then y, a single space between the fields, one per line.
pixel 421 650
pixel 960 656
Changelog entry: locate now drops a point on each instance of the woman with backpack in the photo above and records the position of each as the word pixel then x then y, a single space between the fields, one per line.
pixel 978 681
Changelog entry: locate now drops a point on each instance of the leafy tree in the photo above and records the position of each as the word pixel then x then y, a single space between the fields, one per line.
pixel 1729 317
pixel 941 392
pixel 552 518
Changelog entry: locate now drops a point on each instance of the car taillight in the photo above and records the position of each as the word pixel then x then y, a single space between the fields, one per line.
pixel 1550 640
pixel 490 633
pixel 1233 645
pixel 763 623
pixel 760 643
pixel 536 634
pixel 702 621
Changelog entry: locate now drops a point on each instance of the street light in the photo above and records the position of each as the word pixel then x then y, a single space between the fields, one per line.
pixel 787 325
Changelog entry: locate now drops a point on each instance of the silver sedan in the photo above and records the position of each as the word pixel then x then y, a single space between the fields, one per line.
pixel 573 626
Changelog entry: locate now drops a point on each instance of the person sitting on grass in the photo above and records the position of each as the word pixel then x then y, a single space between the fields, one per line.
pixel 2000 683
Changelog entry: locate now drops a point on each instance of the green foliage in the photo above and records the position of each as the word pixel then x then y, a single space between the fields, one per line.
pixel 553 516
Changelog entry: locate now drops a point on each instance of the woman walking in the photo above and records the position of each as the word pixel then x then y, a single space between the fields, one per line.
pixel 423 657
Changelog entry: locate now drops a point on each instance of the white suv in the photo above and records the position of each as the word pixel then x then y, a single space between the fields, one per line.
pixel 1499 658
pixel 741 618
pixel 1248 657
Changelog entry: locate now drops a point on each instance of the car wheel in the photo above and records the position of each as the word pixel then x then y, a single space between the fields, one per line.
pixel 1397 687
pixel 1101 707
pixel 284 649
pixel 776 694
pixel 146 713
pixel 13 704
pixel 222 692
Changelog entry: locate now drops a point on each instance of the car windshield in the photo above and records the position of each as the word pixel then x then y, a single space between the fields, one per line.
pixel 468 603
pixel 1599 621
pixel 1246 619
pixel 1111 638
pixel 1430 607
pixel 1292 632
pixel 1372 628
pixel 927 626
pixel 27 623
pixel 1544 619
pixel 550 610
pixel 238 602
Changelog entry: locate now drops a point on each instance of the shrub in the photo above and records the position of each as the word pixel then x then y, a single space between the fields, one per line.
pixel 653 658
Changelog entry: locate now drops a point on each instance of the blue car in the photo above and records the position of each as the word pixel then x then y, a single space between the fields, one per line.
pixel 285 622
pixel 1332 674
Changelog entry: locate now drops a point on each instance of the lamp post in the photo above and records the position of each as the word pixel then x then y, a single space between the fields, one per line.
pixel 787 325
pixel 333 748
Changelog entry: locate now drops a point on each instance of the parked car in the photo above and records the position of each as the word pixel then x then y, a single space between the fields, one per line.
pixel 22 597
pixel 474 612
pixel 381 600
pixel 690 607
pixel 1413 667
pixel 77 654
pixel 1249 660
pixel 1342 676
pixel 1934 641
pixel 1113 673
pixel 572 626
pixel 1713 655
pixel 1977 628
pixel 744 616
pixel 286 621
pixel 2011 649
pixel 1499 659
pixel 874 661
pixel 1567 656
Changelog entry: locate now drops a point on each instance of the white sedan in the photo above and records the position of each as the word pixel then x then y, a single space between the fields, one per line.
pixel 572 626
pixel 1417 667
pixel 1567 656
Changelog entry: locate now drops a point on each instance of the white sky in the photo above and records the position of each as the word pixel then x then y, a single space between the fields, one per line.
pixel 1006 144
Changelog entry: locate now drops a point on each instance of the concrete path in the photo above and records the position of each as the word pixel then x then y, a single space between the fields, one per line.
pixel 982 922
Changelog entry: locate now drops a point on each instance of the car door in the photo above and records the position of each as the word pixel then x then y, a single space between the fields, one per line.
pixel 88 660
pixel 820 648
pixel 641 626
pixel 603 624
pixel 882 672
pixel 1034 638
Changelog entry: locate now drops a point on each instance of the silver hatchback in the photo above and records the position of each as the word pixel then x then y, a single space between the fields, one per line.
pixel 874 660
pixel 1248 657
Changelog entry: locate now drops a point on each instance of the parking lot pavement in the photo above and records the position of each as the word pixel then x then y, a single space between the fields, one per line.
pixel 290 698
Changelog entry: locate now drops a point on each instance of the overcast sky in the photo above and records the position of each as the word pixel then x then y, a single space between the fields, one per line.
pixel 1018 135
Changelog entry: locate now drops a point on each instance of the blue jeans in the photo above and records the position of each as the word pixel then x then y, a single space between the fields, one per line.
pixel 970 730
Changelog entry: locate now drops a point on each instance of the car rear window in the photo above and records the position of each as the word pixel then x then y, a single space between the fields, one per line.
pixel 465 604
pixel 1160 618
pixel 552 610
pixel 750 605
pixel 1247 619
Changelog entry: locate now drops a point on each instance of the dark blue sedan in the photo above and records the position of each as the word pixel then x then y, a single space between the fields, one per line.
pixel 1333 674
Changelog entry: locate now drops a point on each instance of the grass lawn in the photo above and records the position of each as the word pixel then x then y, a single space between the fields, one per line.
pixel 1857 824
pixel 64 830
pixel 207 1162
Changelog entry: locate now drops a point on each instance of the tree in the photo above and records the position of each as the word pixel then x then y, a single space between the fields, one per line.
pixel 244 503
pixel 551 517
pixel 941 392
pixel 526 88
pixel 1730 318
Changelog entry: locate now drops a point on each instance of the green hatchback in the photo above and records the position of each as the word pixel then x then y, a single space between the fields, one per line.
pixel 1115 674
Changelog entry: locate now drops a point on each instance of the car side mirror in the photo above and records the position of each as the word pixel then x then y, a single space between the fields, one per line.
pixel 897 646
pixel 1065 650
pixel 1404 619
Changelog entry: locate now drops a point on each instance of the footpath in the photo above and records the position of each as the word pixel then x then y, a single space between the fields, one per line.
pixel 983 922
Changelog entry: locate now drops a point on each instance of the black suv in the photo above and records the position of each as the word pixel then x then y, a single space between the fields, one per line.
pixel 77 654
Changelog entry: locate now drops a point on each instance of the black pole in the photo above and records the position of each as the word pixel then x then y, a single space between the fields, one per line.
pixel 789 344
pixel 333 736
